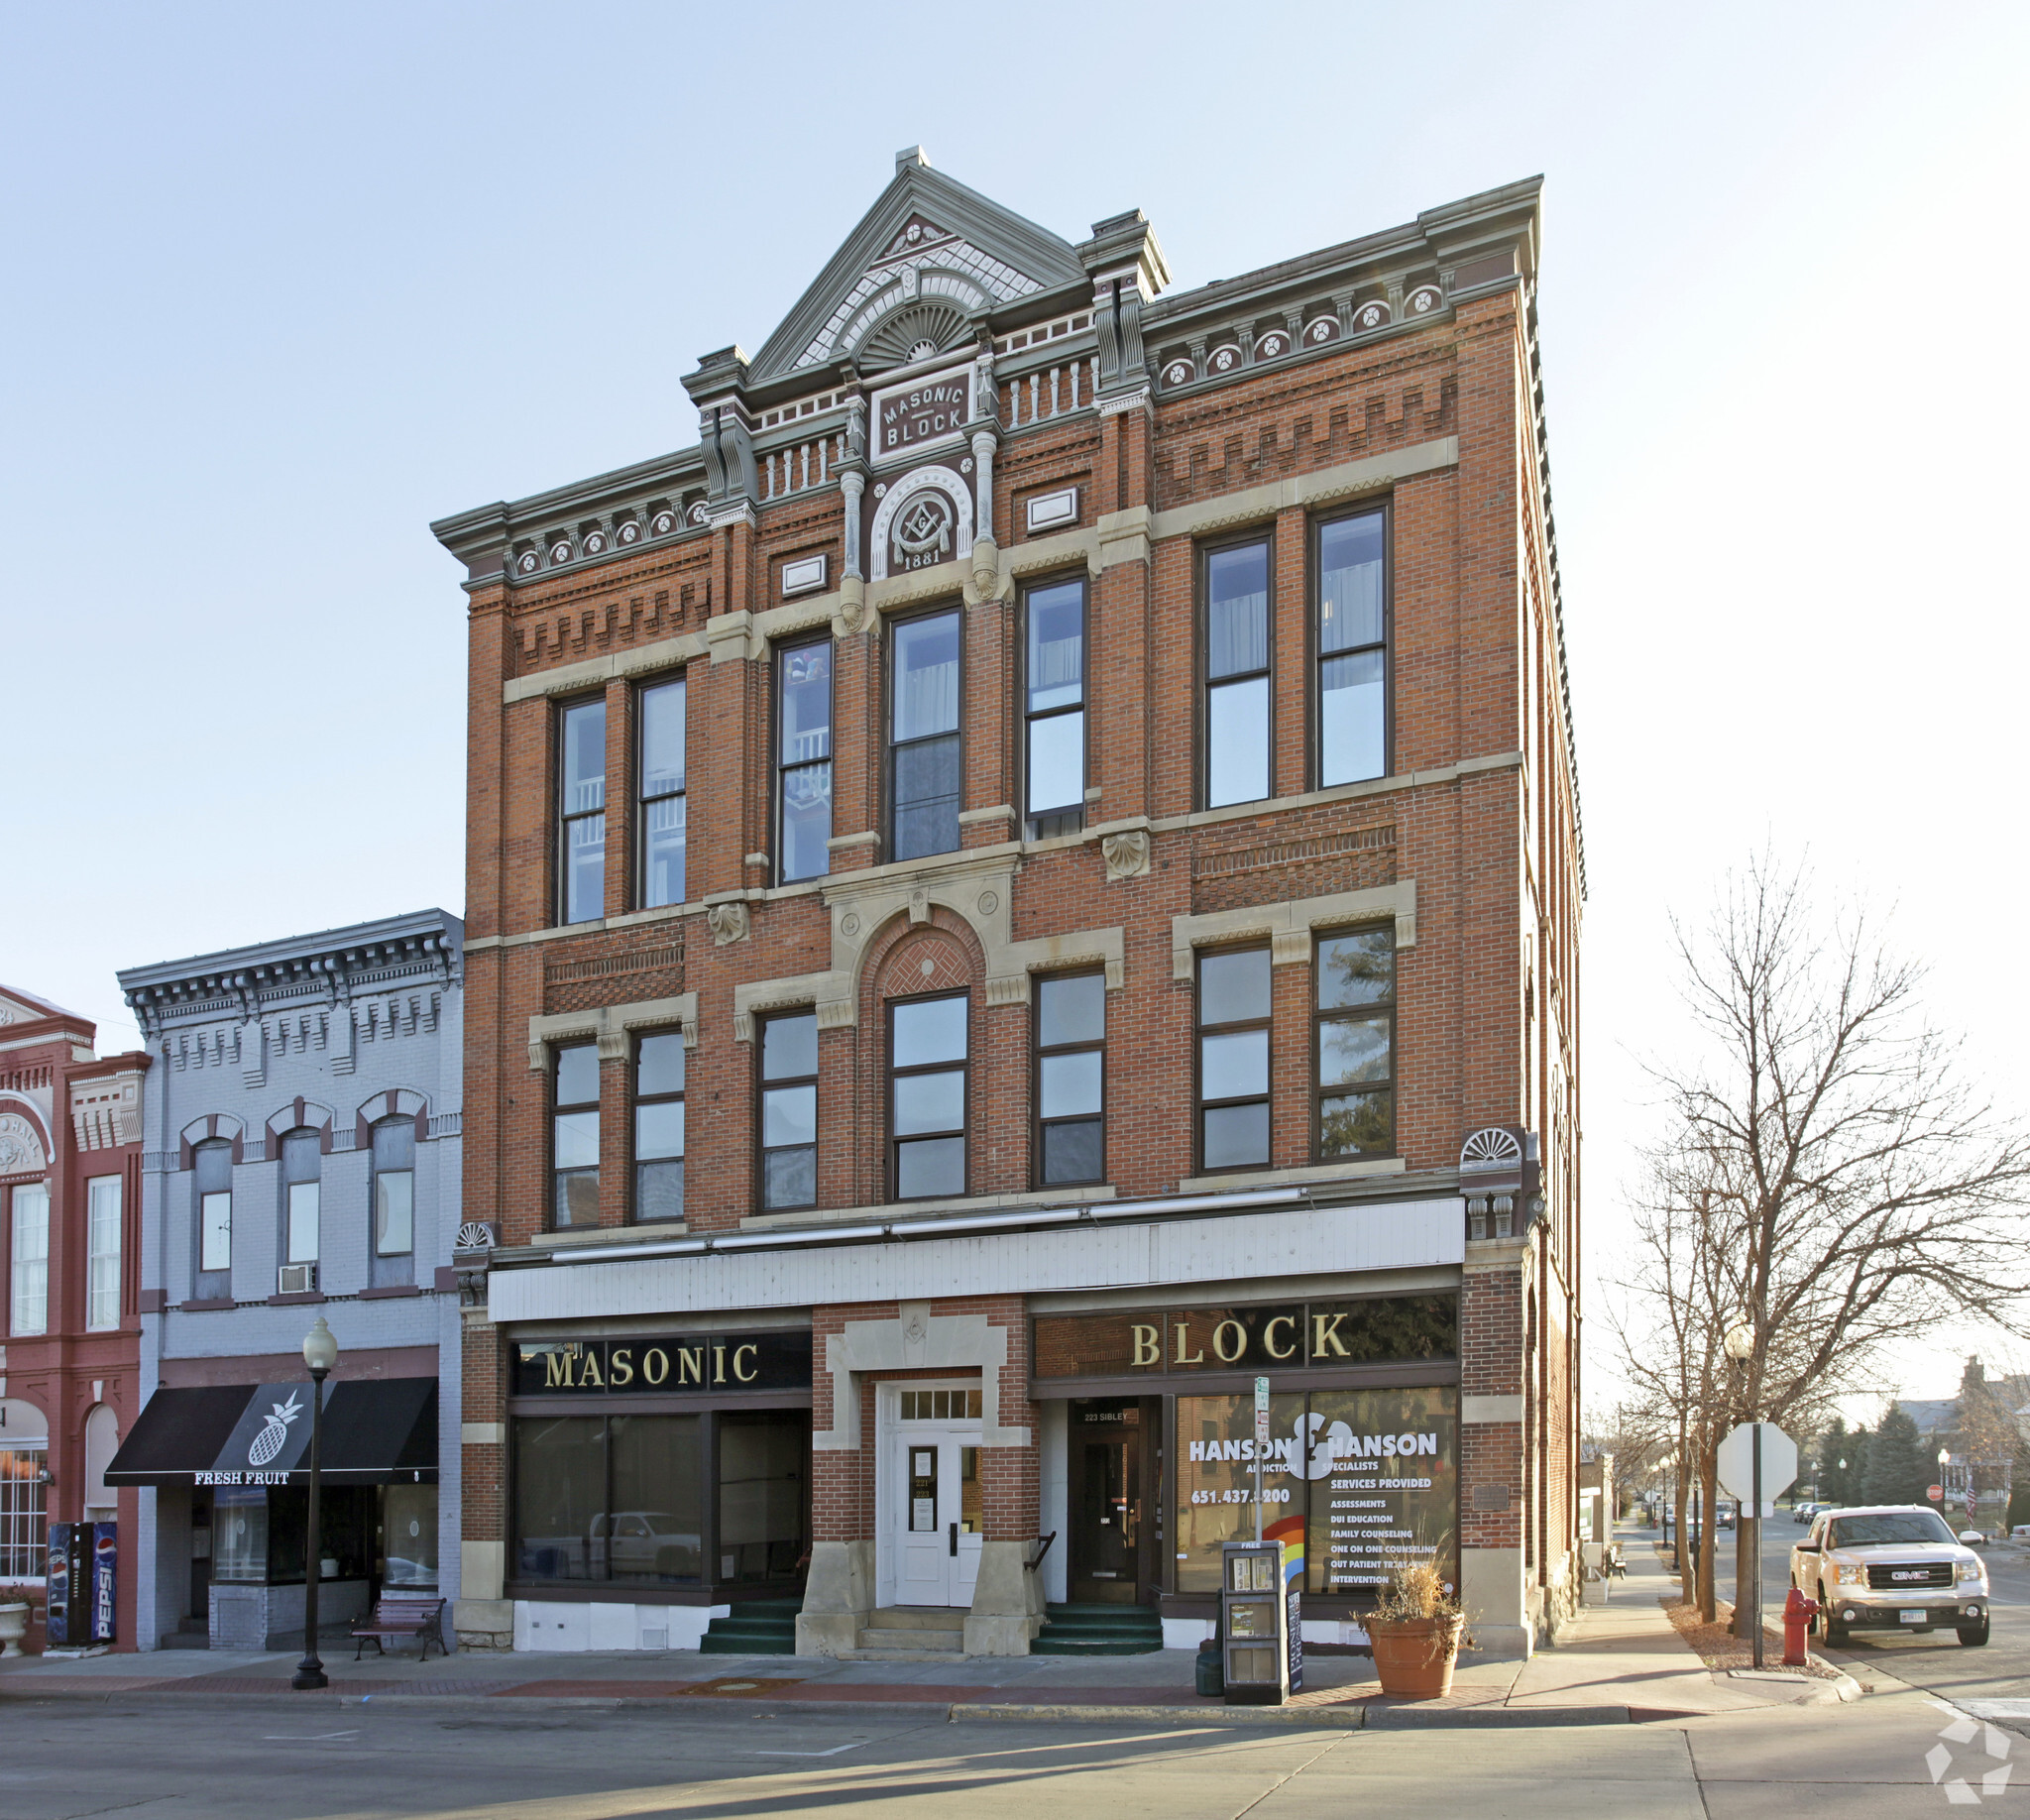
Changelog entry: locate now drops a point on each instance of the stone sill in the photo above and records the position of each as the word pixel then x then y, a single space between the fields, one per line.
pixel 1293 1178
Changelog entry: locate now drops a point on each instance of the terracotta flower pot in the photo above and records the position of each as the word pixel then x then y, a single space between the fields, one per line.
pixel 1415 1657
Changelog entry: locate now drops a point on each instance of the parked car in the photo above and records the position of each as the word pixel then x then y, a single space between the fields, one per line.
pixel 1890 1567
pixel 1804 1512
pixel 1723 1516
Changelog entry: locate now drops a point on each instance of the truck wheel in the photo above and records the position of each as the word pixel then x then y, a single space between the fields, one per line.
pixel 1975 1634
pixel 1835 1633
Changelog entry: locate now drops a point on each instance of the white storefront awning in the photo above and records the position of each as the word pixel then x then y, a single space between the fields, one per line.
pixel 1130 1254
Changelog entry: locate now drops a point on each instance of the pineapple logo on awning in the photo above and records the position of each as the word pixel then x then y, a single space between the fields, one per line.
pixel 275 1431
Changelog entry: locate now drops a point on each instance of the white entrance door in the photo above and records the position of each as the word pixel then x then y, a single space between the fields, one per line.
pixel 934 1513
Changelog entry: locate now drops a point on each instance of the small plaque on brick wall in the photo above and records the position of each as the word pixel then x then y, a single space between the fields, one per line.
pixel 1048 511
pixel 1490 1497
pixel 802 576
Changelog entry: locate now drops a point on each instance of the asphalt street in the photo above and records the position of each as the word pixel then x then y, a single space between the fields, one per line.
pixel 172 1758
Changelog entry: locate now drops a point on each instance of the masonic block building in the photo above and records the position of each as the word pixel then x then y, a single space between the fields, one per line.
pixel 1125 953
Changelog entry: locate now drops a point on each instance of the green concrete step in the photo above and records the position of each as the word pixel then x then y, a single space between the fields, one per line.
pixel 756 1627
pixel 1087 1628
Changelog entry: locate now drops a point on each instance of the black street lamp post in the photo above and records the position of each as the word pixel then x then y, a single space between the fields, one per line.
pixel 321 1353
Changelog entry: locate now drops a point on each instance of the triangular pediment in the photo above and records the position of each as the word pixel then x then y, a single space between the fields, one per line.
pixel 927 246
pixel 19 1008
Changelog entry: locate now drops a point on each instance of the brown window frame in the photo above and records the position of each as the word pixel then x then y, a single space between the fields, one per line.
pixel 1199 1030
pixel 891 1073
pixel 557 1108
pixel 1068 820
pixel 637 1099
pixel 1315 659
pixel 1323 1015
pixel 763 1086
pixel 563 816
pixel 642 801
pixel 1038 1051
pixel 1202 554
pixel 956 610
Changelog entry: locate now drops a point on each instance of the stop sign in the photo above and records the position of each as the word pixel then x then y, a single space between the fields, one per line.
pixel 1936 1493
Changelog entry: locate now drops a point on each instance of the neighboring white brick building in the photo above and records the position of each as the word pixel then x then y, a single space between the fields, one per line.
pixel 303 1159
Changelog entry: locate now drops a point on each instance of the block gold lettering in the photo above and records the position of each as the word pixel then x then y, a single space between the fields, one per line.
pixel 1198 1358
pixel 1148 1346
pixel 1268 1337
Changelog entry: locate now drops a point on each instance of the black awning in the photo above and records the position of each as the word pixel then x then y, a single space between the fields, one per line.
pixel 377 1431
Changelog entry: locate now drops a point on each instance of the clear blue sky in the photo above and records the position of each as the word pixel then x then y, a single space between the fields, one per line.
pixel 286 284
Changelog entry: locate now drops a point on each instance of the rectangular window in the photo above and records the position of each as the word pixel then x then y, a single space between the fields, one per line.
pixel 659 1126
pixel 1351 688
pixel 763 1507
pixel 609 1498
pixel 1054 710
pixel 574 1137
pixel 661 811
pixel 923 733
pixel 582 811
pixel 1233 1060
pixel 1236 674
pixel 926 1064
pixel 212 1186
pixel 302 1161
pixel 395 1193
pixel 789 1110
pixel 1354 976
pixel 1070 1079
pixel 30 1258
pixel 803 776
pixel 102 1252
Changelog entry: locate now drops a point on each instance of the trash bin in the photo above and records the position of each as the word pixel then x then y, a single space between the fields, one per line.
pixel 1212 1677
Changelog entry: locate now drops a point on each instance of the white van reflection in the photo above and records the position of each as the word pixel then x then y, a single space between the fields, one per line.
pixel 628 1545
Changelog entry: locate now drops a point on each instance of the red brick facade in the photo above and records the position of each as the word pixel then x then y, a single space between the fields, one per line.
pixel 68 1118
pixel 1412 385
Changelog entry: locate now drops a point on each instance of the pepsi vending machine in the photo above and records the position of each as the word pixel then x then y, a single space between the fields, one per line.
pixel 83 1559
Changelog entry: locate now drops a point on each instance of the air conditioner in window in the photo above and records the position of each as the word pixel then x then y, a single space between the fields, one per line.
pixel 297 1279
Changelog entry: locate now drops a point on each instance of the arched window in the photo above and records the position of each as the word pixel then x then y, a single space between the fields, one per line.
pixel 393 1252
pixel 302 1167
pixel 211 1205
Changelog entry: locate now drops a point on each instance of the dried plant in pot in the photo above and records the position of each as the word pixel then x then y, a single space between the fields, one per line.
pixel 1415 1634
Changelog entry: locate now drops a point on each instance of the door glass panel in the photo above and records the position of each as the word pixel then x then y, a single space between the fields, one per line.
pixel 763 1505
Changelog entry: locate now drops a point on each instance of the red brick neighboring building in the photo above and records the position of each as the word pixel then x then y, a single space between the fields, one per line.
pixel 1127 945
pixel 69 1367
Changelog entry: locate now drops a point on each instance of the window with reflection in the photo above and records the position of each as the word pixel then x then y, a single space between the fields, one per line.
pixel 574 1137
pixel 1054 710
pixel 392 1259
pixel 927 1081
pixel 212 1191
pixel 659 1126
pixel 1236 585
pixel 1354 977
pixel 923 731
pixel 661 811
pixel 1070 1079
pixel 582 811
pixel 302 1167
pixel 1351 687
pixel 29 1258
pixel 1233 1059
pixel 765 1504
pixel 803 759
pixel 789 1110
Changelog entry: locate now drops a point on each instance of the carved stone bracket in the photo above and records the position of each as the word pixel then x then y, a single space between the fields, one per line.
pixel 1126 853
pixel 727 922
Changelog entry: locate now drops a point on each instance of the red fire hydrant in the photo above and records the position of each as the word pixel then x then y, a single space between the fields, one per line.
pixel 1798 1613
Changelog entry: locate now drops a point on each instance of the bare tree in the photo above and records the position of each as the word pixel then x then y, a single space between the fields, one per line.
pixel 1864 1191
pixel 1828 1180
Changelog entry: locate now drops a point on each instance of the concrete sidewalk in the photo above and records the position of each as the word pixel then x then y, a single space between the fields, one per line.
pixel 1618 1661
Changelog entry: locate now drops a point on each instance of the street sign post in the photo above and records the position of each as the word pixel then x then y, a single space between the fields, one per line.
pixel 1756 1460
pixel 1261 1445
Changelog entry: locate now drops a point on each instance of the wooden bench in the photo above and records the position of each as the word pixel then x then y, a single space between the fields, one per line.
pixel 400 1615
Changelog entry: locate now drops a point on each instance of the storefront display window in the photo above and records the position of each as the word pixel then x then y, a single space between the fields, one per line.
pixel 408 1536
pixel 763 1494
pixel 1370 1475
pixel 239 1531
pixel 601 1498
